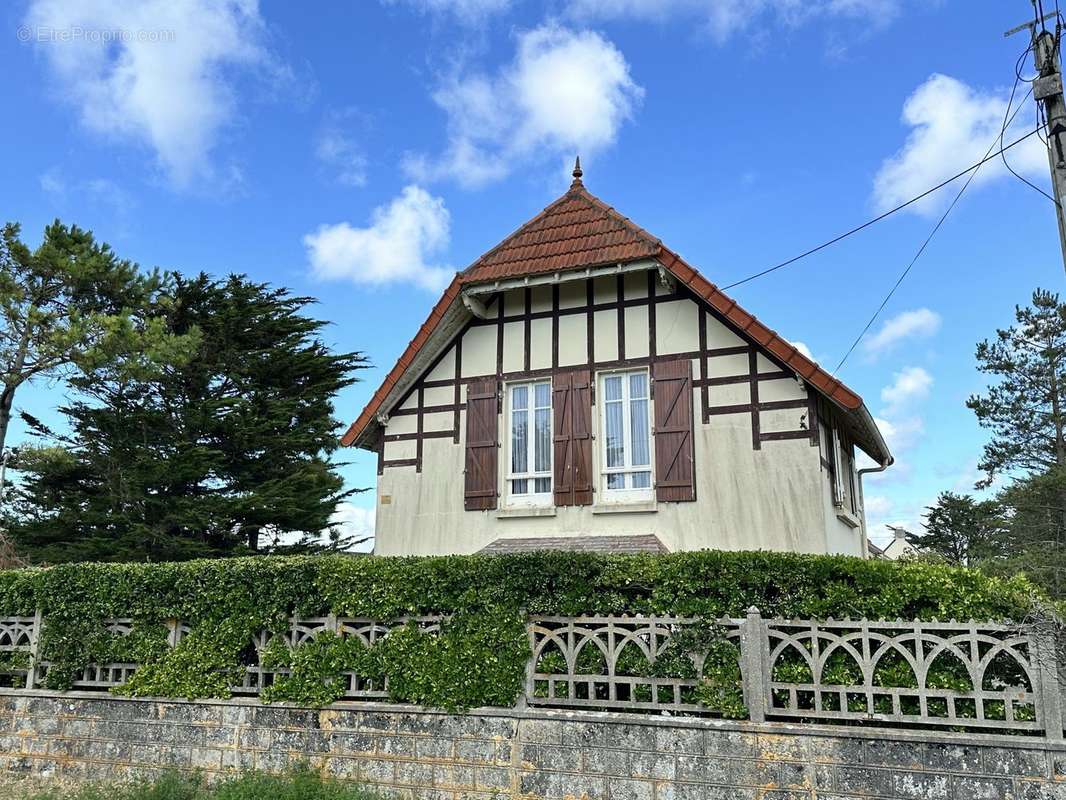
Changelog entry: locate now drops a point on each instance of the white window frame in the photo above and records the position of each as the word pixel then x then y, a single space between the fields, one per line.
pixel 627 495
pixel 838 470
pixel 534 498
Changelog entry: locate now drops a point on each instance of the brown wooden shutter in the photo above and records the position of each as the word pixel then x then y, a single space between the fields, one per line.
pixel 572 457
pixel 482 446
pixel 675 469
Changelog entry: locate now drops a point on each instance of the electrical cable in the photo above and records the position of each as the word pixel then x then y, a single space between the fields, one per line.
pixel 973 173
pixel 880 217
pixel 1003 155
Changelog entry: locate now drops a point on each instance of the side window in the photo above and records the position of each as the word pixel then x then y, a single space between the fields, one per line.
pixel 828 448
pixel 839 457
pixel 529 437
pixel 625 426
pixel 847 464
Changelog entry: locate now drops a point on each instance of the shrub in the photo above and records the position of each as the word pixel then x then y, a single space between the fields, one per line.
pixel 480 654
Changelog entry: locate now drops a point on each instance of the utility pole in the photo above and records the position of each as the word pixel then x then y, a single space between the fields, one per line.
pixel 1047 90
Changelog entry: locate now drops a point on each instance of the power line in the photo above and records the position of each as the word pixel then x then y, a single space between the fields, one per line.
pixel 1006 122
pixel 1018 78
pixel 880 217
pixel 973 173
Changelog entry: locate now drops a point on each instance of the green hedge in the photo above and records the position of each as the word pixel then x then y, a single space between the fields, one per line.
pixel 479 657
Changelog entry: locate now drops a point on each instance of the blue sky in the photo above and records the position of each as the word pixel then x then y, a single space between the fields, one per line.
pixel 362 152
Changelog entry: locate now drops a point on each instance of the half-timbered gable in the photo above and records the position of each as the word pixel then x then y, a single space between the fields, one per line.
pixel 580 385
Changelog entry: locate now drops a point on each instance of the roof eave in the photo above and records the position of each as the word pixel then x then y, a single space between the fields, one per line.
pixel 360 432
pixel 882 455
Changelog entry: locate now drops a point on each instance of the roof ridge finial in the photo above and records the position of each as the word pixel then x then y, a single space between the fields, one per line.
pixel 577 170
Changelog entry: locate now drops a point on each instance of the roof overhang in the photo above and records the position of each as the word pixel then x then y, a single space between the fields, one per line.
pixel 560 276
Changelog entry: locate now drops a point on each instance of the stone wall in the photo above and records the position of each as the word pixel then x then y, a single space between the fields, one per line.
pixel 417 753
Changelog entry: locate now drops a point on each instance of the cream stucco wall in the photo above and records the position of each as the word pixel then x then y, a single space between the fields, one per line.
pixel 774 498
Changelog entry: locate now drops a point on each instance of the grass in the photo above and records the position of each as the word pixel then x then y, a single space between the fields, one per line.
pixel 298 785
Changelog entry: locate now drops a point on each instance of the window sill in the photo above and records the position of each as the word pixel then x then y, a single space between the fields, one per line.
pixel 639 507
pixel 522 512
pixel 847 517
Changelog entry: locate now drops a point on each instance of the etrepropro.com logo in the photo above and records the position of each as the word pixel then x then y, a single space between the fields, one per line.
pixel 75 33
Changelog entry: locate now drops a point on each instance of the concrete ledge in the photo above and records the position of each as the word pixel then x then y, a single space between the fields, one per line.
pixel 520 754
pixel 519 512
pixel 573 715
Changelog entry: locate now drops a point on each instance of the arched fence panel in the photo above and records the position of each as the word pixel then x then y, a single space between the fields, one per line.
pixel 929 674
pixel 956 675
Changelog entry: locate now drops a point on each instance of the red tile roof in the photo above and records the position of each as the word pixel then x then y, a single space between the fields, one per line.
pixel 577 231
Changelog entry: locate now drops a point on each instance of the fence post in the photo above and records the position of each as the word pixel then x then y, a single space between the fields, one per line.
pixel 527 689
pixel 172 632
pixel 35 640
pixel 1044 653
pixel 753 668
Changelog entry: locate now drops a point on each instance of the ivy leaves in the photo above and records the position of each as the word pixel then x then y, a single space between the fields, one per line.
pixel 479 655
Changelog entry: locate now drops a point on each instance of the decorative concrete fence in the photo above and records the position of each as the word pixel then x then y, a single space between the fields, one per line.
pixel 931 675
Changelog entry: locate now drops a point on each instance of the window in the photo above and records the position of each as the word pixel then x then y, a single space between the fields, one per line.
pixel 828 450
pixel 529 479
pixel 839 461
pixel 626 435
pixel 847 465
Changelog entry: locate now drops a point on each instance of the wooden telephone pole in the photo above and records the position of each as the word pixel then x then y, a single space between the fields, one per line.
pixel 1047 90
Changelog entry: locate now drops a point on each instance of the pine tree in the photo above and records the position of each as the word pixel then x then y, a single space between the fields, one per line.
pixel 961 529
pixel 1036 532
pixel 227 452
pixel 69 305
pixel 1026 410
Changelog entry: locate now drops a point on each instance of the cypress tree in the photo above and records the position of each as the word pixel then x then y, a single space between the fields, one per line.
pixel 226 452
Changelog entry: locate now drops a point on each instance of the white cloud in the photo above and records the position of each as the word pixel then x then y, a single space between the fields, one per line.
pixel 952 125
pixel 723 18
pixel 348 521
pixel 901 434
pixel 900 424
pixel 469 11
pixel 53 185
pixel 804 349
pixel 352 521
pixel 339 151
pixel 95 193
pixel 920 323
pixel 877 505
pixel 566 92
pixel 908 387
pixel 395 246
pixel 165 80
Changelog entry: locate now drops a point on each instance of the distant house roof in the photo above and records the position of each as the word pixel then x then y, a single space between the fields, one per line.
pixel 579 231
pixel 633 543
pixel 874 550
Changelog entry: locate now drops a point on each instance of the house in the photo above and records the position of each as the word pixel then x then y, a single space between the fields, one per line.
pixel 580 386
pixel 899 547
